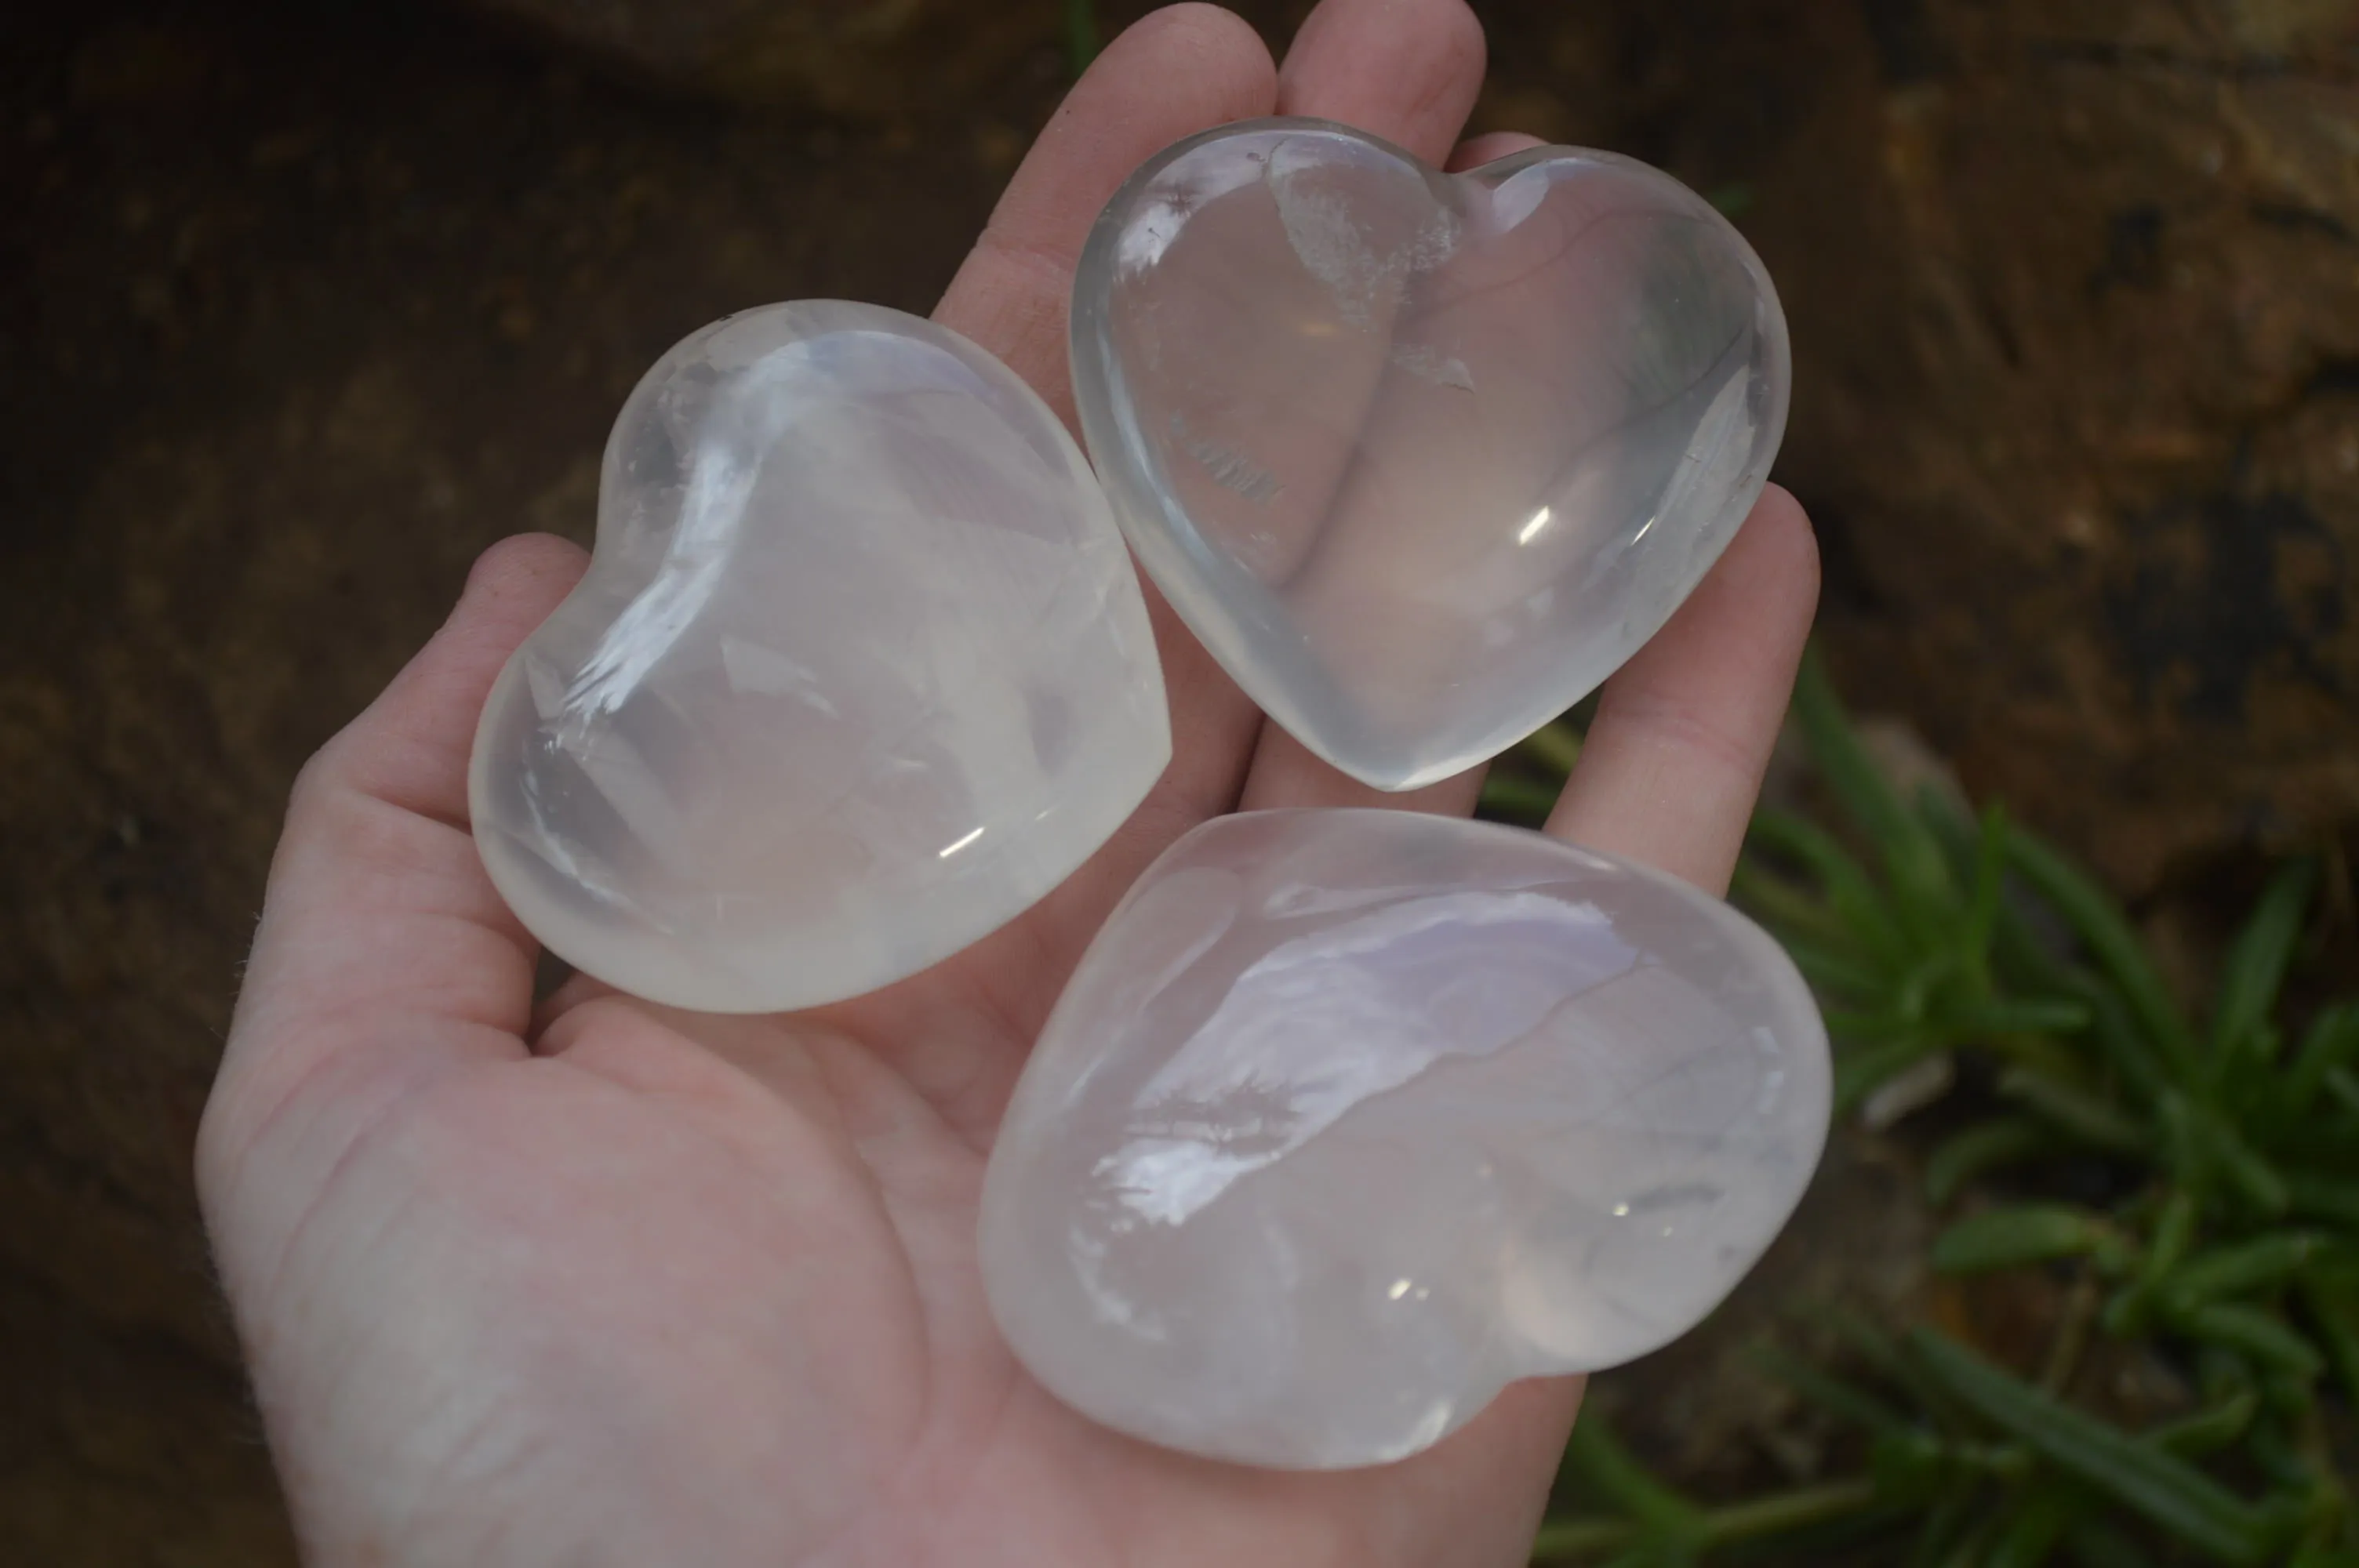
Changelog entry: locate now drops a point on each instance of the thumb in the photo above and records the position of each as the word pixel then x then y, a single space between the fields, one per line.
pixel 384 956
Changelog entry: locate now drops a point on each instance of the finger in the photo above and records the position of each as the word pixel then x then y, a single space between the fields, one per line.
pixel 1406 71
pixel 1674 758
pixel 1476 151
pixel 1177 72
pixel 1173 73
pixel 1667 776
pixel 1285 772
pixel 383 949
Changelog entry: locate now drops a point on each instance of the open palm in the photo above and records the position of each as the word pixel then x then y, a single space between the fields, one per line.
pixel 604 1283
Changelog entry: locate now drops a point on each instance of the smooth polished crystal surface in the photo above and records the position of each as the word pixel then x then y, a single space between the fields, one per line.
pixel 860 670
pixel 1421 458
pixel 1350 1118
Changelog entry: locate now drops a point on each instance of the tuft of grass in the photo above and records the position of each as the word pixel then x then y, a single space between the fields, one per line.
pixel 2231 1136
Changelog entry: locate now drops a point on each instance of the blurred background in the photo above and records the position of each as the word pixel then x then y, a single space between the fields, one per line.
pixel 304 304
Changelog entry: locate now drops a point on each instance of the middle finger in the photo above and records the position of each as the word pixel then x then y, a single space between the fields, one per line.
pixel 1406 71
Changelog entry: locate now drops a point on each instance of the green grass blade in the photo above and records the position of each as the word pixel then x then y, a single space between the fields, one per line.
pixel 1582 1539
pixel 2263 1264
pixel 2075 1111
pixel 2247 1171
pixel 2207 1430
pixel 2113 1032
pixel 2012 1236
pixel 1860 1070
pixel 2003 1140
pixel 2100 1544
pixel 1924 896
pixel 1598 1459
pixel 2037 1524
pixel 1842 760
pixel 1830 1394
pixel 1781 1512
pixel 1850 894
pixel 1989 872
pixel 1652 1552
pixel 2174 1233
pixel 2332 1039
pixel 2332 1299
pixel 1877 1350
pixel 1555 746
pixel 2324 1198
pixel 2174 1495
pixel 1516 798
pixel 1944 1530
pixel 1910 1467
pixel 1081 34
pixel 2111 941
pixel 2322 1555
pixel 2026 1015
pixel 1831 973
pixel 1965 840
pixel 1774 899
pixel 2257 1333
pixel 1968 1553
pixel 2256 966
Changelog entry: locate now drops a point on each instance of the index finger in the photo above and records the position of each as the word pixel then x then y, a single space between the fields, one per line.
pixel 1179 71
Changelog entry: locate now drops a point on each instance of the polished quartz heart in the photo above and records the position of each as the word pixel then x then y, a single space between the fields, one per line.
pixel 1420 458
pixel 1350 1118
pixel 859 671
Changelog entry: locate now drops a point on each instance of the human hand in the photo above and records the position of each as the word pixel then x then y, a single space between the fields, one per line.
pixel 607 1282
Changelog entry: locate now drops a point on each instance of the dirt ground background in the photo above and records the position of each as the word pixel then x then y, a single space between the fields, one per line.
pixel 303 304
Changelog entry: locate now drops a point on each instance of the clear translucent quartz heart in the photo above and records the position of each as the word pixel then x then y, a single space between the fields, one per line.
pixel 1421 458
pixel 860 670
pixel 1350 1118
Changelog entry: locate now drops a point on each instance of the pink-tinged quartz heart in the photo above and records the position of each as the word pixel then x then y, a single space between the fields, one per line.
pixel 1421 458
pixel 1348 1117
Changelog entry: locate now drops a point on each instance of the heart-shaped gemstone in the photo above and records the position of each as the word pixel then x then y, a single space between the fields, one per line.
pixel 860 670
pixel 1350 1118
pixel 1421 458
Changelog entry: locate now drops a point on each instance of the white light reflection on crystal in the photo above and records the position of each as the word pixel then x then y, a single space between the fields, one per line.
pixel 1327 1022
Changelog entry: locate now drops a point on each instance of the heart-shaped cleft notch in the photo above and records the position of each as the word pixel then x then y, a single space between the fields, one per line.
pixel 860 671
pixel 1421 458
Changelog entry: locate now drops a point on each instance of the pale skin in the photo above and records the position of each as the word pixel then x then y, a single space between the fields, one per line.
pixel 601 1282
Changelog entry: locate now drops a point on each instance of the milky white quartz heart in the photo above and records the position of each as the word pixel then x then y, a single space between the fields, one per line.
pixel 1421 458
pixel 1350 1118
pixel 860 670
